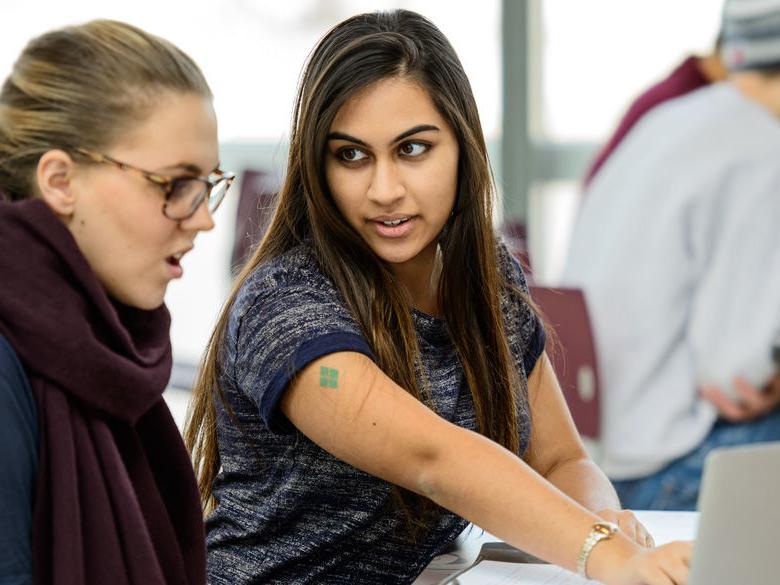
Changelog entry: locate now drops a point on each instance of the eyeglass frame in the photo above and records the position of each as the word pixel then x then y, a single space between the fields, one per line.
pixel 168 184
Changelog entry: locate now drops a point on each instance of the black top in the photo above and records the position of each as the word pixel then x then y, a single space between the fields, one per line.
pixel 18 454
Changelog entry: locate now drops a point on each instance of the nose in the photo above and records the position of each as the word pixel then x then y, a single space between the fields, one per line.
pixel 201 220
pixel 386 187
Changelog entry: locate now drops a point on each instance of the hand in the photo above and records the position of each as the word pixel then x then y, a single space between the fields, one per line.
pixel 665 565
pixel 629 526
pixel 752 403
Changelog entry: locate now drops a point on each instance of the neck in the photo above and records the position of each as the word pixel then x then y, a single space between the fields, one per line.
pixel 759 88
pixel 420 278
pixel 712 68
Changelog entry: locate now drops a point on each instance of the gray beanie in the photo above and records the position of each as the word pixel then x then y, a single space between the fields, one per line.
pixel 751 34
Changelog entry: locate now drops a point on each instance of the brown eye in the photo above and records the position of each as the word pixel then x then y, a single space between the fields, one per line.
pixel 351 154
pixel 412 149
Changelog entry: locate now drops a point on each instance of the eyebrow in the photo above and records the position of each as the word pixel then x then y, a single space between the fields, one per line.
pixel 399 138
pixel 190 168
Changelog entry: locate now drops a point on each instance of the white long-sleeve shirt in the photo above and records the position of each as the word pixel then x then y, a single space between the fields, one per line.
pixel 677 248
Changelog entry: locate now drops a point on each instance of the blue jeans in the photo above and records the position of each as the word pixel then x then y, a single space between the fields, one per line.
pixel 676 486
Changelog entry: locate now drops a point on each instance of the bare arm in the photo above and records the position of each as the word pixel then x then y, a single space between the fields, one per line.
pixel 374 425
pixel 556 450
pixel 557 453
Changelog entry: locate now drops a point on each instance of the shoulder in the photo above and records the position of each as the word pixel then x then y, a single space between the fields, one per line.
pixel 289 300
pixel 684 79
pixel 289 281
pixel 509 267
pixel 298 267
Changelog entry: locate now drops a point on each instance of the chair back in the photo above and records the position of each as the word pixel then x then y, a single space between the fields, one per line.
pixel 574 360
pixel 255 206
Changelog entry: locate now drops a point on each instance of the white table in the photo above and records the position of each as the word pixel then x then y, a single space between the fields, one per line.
pixel 664 526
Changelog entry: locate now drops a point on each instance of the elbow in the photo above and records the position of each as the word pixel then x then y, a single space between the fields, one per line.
pixel 436 463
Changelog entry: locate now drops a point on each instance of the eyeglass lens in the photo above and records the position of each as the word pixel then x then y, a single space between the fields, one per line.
pixel 189 194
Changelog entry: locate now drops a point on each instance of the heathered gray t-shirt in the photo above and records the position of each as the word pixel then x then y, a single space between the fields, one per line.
pixel 288 511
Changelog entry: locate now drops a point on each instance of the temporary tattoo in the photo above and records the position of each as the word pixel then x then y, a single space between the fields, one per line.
pixel 329 377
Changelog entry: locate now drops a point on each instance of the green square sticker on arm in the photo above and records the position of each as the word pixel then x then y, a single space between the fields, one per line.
pixel 329 377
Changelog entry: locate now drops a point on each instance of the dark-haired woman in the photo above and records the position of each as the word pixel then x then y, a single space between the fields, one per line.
pixel 109 170
pixel 378 378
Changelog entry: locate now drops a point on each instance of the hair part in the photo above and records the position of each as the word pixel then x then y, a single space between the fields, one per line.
pixel 83 87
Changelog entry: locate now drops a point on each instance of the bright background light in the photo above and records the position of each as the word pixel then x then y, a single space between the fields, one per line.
pixel 593 57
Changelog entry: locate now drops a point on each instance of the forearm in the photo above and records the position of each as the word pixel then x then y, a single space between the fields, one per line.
pixel 489 486
pixel 585 483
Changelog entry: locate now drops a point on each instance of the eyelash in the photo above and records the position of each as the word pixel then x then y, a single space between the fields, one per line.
pixel 340 152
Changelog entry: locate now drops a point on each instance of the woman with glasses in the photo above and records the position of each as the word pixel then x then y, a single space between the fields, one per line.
pixel 378 377
pixel 109 169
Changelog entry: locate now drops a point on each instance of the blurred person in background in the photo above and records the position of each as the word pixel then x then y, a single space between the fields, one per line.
pixel 695 72
pixel 678 252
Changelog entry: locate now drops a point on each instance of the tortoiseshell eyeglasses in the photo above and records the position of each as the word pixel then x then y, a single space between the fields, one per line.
pixel 183 195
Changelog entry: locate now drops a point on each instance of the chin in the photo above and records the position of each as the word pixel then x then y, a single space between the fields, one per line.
pixel 145 301
pixel 394 257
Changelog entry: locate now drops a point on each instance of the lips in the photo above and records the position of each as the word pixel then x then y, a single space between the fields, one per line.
pixel 393 226
pixel 174 262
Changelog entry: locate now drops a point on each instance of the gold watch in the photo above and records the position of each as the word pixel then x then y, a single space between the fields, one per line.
pixel 598 532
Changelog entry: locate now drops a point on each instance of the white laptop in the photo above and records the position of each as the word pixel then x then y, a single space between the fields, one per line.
pixel 738 541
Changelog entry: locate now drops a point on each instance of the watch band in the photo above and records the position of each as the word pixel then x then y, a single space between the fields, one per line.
pixel 598 532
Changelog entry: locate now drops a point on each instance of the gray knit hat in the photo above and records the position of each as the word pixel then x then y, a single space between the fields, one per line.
pixel 751 34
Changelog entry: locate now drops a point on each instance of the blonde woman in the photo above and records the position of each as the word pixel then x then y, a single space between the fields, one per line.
pixel 109 167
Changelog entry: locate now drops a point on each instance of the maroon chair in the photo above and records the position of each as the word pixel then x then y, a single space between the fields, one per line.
pixel 574 358
pixel 256 202
pixel 515 235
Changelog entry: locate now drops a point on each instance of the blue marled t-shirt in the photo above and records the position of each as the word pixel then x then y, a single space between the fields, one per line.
pixel 288 511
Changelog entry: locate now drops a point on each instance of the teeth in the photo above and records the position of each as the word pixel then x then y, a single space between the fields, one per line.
pixel 395 222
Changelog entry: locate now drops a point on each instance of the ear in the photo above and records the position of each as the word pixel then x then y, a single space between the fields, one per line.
pixel 54 176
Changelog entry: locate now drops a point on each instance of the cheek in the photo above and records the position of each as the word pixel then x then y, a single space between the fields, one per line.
pixel 125 246
pixel 437 190
pixel 345 188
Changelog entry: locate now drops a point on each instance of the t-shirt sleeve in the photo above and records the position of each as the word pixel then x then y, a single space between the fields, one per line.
pixel 18 452
pixel 526 330
pixel 283 330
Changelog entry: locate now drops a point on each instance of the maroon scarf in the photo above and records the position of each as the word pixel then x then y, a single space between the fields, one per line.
pixel 116 500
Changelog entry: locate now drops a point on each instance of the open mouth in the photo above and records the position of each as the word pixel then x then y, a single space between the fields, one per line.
pixel 174 259
pixel 395 222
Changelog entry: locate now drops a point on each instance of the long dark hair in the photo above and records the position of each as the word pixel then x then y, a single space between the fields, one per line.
pixel 353 55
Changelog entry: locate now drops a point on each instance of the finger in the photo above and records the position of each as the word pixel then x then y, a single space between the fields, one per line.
pixel 643 536
pixel 649 540
pixel 677 571
pixel 657 576
pixel 627 524
pixel 682 549
pixel 636 529
pixel 752 399
pixel 773 386
pixel 726 407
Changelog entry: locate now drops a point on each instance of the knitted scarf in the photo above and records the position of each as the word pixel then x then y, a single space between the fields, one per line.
pixel 116 500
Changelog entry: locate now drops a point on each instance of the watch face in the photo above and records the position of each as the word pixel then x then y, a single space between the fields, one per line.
pixel 606 528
